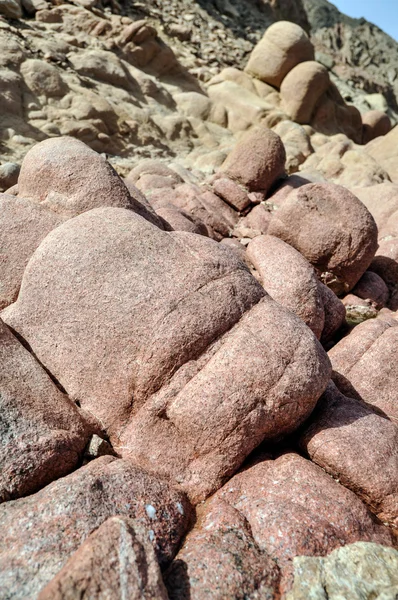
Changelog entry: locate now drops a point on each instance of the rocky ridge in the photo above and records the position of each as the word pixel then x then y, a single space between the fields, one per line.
pixel 198 296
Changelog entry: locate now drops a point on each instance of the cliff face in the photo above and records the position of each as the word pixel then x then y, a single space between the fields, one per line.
pixel 362 54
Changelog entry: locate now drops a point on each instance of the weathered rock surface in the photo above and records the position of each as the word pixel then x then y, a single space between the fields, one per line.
pixel 331 228
pixel 117 560
pixel 43 531
pixel 23 225
pixel 141 371
pixel 290 506
pixel 257 161
pixel 358 447
pixel 42 433
pixel 364 365
pixel 290 280
pixel 360 571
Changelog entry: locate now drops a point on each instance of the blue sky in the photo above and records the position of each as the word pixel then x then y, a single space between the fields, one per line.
pixel 383 13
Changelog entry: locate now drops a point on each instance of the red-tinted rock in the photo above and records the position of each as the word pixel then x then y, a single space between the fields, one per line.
pixel 115 561
pixel 66 176
pixel 365 366
pixel 220 559
pixel 257 161
pixel 41 532
pixel 42 435
pixel 358 447
pixel 372 287
pixel 148 330
pixel 289 279
pixel 233 193
pixel 23 225
pixel 331 228
pixel 290 507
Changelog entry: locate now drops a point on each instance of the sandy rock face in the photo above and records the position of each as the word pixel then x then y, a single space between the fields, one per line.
pixel 357 446
pixel 384 150
pixel 290 507
pixel 42 433
pixel 364 365
pixel 290 280
pixel 257 161
pixel 44 530
pixel 301 90
pixel 116 560
pixel 331 228
pixel 146 369
pixel 360 571
pixel 283 46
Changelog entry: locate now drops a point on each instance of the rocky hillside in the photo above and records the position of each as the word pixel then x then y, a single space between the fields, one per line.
pixel 359 53
pixel 198 307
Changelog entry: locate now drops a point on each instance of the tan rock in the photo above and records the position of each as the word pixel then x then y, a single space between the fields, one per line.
pixel 301 90
pixel 283 46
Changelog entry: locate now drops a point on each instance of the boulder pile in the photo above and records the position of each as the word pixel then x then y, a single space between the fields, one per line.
pixel 198 386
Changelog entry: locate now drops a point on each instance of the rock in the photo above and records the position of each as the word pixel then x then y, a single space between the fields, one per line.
pixel 220 559
pixel 283 46
pixel 360 571
pixel 301 90
pixel 257 161
pixel 42 433
pixel 384 151
pixel 23 225
pixel 41 532
pixel 176 332
pixel 372 287
pixel 357 447
pixel 42 78
pixel 98 447
pixel 11 9
pixel 385 263
pixel 66 176
pixel 375 124
pixel 334 313
pixel 116 560
pixel 331 228
pixel 289 507
pixel 290 280
pixel 8 175
pixel 32 6
pixel 257 219
pixel 101 65
pixel 297 144
pixel 232 192
pixel 364 367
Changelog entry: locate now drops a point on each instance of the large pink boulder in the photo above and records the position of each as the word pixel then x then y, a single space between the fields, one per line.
pixel 116 561
pixel 66 176
pixel 372 287
pixel 42 435
pixel 331 228
pixel 41 532
pixel 257 161
pixel 365 366
pixel 357 446
pixel 282 508
pixel 23 225
pixel 291 280
pixel 151 331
